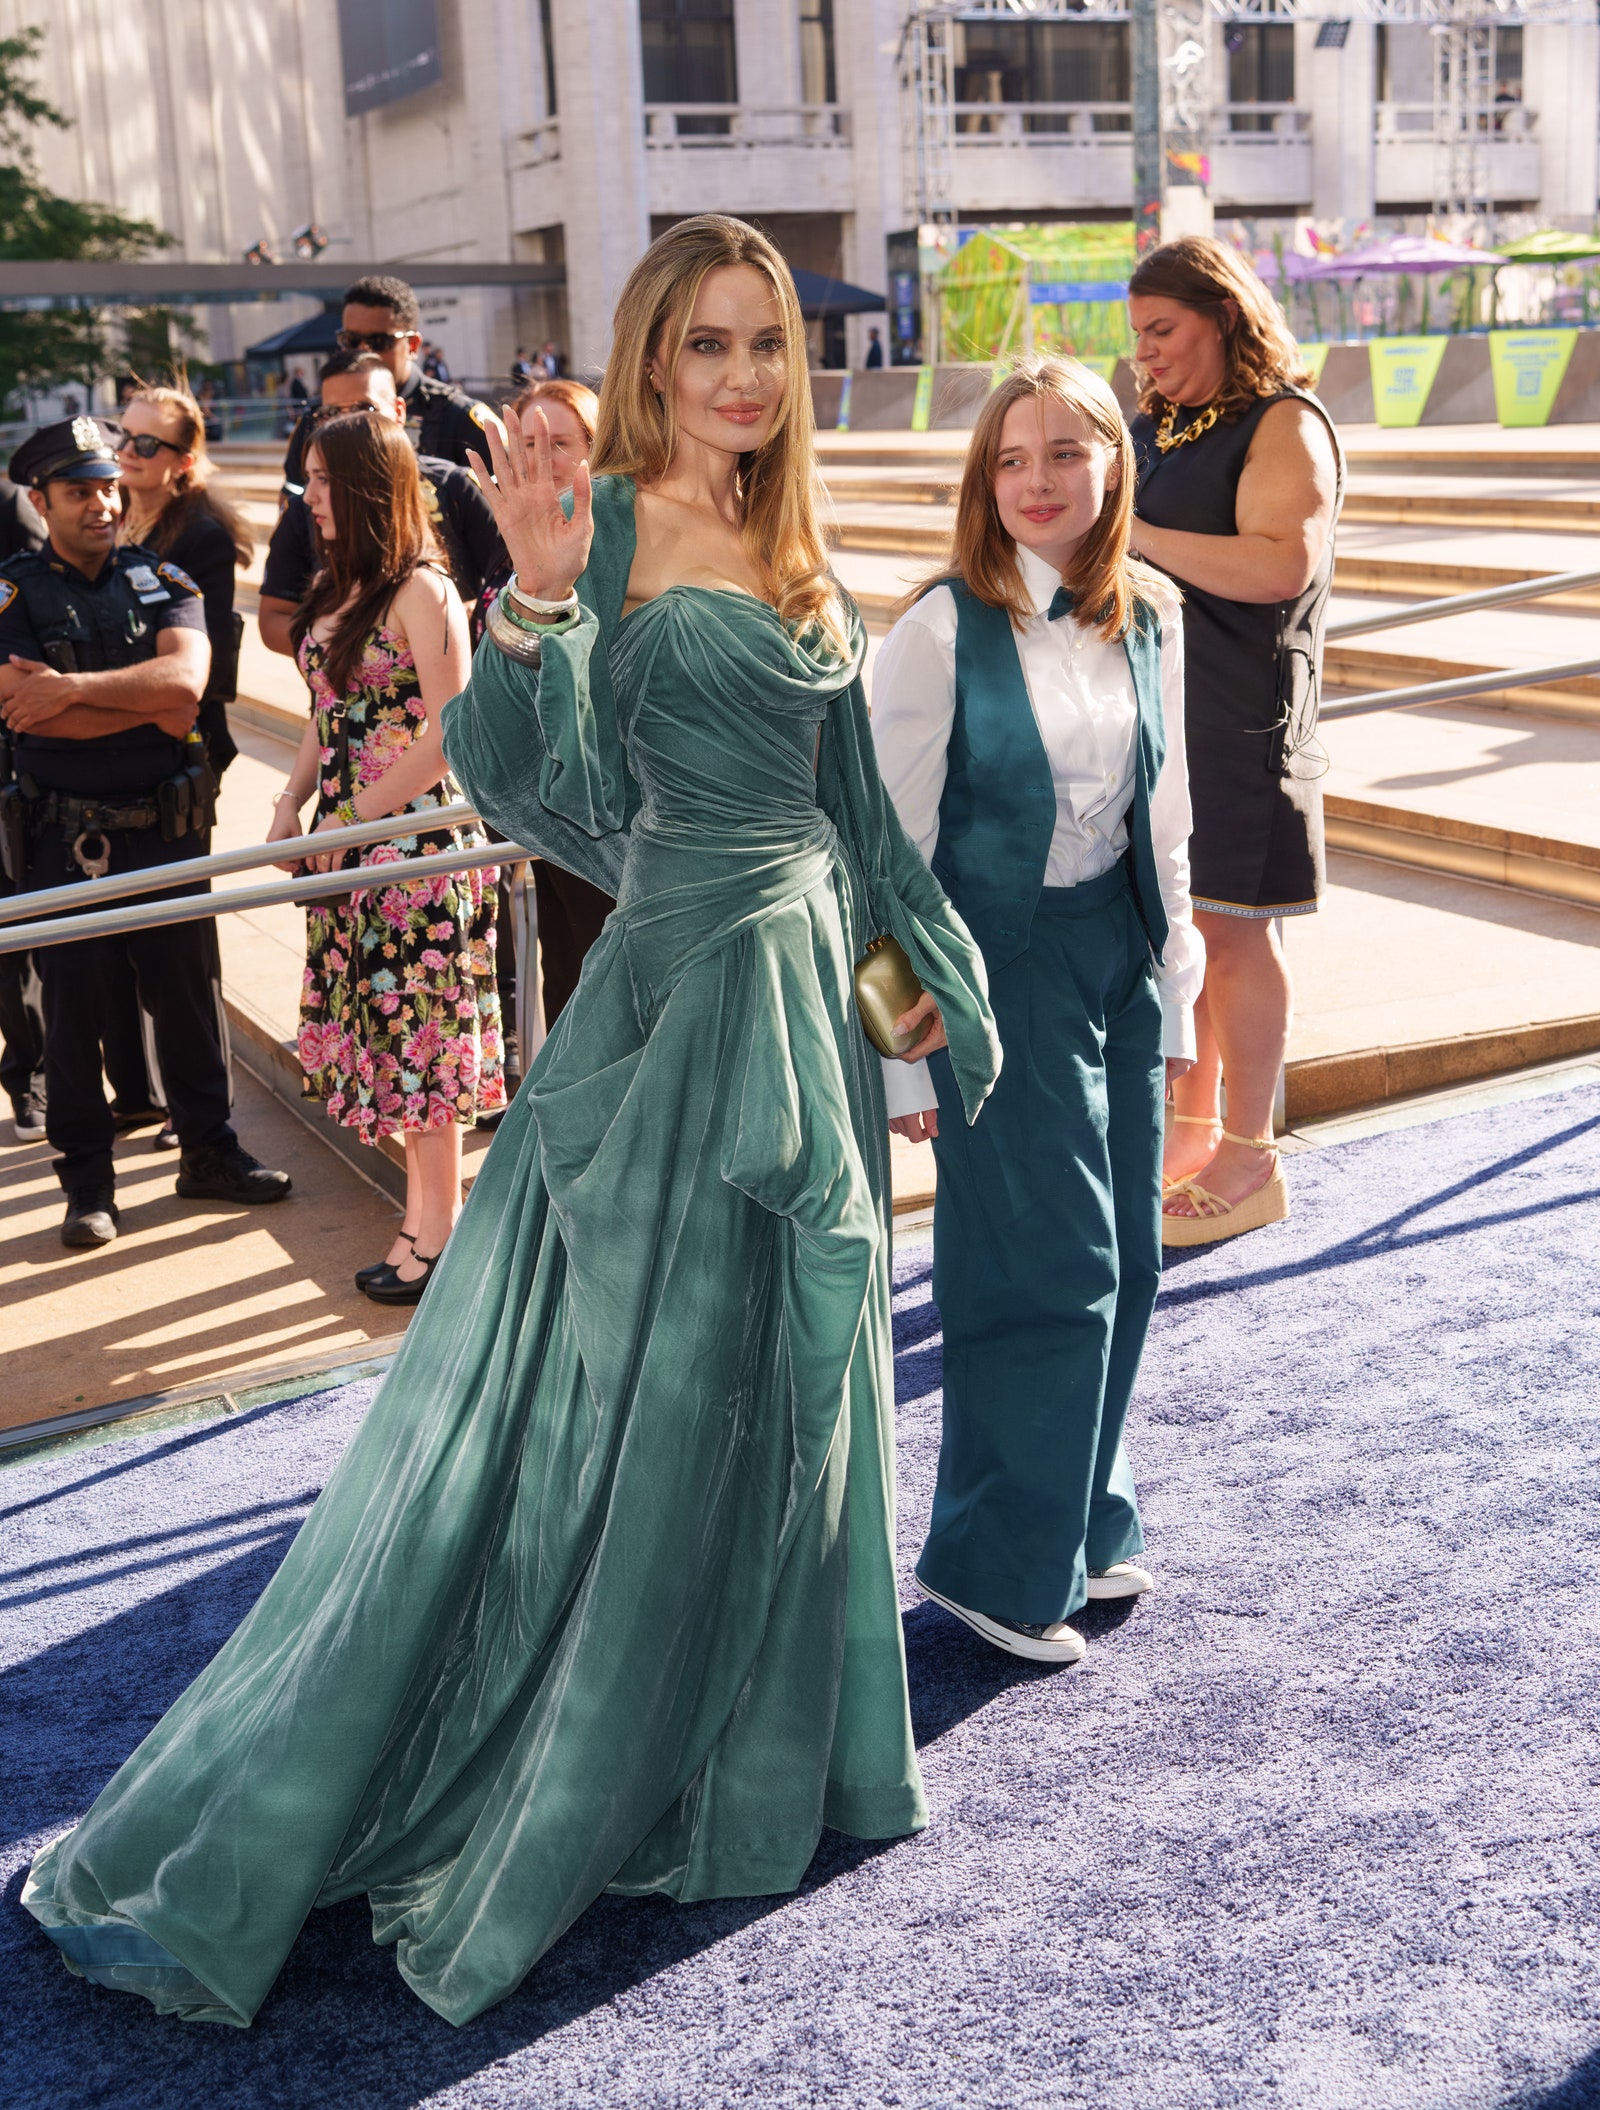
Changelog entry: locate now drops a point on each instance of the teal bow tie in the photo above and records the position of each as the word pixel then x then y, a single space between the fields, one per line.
pixel 1060 604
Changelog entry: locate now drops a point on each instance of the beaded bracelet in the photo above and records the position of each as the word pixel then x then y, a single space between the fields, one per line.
pixel 345 814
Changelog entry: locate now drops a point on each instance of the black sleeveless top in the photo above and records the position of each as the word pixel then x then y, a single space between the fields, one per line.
pixel 1253 672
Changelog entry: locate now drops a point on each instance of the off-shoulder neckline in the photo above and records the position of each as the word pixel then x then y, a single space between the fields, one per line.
pixel 726 593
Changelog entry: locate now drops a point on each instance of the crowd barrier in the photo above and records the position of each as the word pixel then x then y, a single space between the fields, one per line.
pixel 62 915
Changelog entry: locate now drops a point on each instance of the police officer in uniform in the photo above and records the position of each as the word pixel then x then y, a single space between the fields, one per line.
pixel 103 661
pixel 459 514
pixel 381 315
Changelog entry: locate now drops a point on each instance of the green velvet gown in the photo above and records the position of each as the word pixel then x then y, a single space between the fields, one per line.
pixel 601 1593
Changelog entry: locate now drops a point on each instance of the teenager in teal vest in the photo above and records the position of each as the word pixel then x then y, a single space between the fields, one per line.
pixel 1028 715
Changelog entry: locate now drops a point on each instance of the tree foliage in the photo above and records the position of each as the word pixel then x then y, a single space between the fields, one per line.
pixel 48 347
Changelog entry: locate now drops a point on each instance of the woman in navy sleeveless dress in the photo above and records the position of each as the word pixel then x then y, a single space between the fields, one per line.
pixel 1240 478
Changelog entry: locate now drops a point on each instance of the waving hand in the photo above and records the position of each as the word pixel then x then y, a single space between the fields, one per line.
pixel 548 550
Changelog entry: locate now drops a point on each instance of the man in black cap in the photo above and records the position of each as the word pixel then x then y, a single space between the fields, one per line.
pixel 458 512
pixel 381 315
pixel 103 661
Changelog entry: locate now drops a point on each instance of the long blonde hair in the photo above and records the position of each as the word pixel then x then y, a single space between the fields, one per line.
pixel 1104 581
pixel 1260 358
pixel 637 432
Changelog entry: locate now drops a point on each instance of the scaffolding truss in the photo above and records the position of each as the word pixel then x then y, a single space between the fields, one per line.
pixel 1466 114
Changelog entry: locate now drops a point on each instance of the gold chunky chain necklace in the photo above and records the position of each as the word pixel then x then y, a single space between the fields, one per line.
pixel 1167 437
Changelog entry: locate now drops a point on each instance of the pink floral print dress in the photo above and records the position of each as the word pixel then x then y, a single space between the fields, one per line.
pixel 399 1010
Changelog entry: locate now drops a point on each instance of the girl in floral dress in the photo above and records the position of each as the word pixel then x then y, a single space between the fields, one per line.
pixel 399 1014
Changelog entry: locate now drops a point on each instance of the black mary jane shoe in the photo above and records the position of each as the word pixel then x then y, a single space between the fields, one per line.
pixel 392 1288
pixel 380 1268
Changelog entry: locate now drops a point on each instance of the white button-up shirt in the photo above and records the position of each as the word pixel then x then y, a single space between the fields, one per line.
pixel 1081 690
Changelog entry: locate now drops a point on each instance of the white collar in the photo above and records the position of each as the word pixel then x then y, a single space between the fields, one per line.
pixel 1040 580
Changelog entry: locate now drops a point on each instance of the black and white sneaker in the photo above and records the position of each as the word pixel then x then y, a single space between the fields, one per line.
pixel 27 1119
pixel 1056 1643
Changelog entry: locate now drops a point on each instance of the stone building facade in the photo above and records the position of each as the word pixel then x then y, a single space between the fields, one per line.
pixel 567 130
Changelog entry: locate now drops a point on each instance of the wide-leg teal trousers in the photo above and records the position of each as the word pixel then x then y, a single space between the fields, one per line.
pixel 1046 1263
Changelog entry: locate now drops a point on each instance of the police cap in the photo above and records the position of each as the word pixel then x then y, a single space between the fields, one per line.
pixel 77 448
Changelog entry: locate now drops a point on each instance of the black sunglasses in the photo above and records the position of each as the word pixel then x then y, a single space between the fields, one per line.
pixel 324 411
pixel 144 444
pixel 369 340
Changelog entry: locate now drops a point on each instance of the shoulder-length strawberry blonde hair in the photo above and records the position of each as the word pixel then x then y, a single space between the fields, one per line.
pixel 637 432
pixel 1104 581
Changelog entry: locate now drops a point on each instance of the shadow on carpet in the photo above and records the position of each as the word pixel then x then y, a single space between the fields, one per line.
pixel 1315 1827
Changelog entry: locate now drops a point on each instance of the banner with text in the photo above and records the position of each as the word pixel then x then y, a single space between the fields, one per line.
pixel 1404 370
pixel 1528 367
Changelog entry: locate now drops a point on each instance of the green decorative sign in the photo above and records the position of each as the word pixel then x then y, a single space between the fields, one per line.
pixel 1102 363
pixel 1404 370
pixel 1054 288
pixel 1316 357
pixel 842 422
pixel 922 402
pixel 1528 367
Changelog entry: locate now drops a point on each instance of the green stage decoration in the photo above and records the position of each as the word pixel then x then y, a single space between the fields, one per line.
pixel 1038 289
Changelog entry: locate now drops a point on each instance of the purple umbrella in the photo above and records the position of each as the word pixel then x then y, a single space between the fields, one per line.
pixel 1296 268
pixel 1409 253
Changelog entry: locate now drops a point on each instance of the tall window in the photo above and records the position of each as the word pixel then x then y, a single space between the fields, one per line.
pixel 547 40
pixel 1260 69
pixel 1508 64
pixel 688 51
pixel 817 82
pixel 1041 62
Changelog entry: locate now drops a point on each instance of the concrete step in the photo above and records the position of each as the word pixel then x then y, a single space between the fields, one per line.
pixel 1393 576
pixel 1574 511
pixel 1360 669
pixel 1459 647
pixel 924 531
pixel 1457 789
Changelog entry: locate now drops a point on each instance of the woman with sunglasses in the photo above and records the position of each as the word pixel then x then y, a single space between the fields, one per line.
pixel 170 509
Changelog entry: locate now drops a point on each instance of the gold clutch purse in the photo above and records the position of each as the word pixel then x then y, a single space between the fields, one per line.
pixel 886 988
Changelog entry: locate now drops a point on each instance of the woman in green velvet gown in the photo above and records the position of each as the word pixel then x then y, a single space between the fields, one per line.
pixel 601 1594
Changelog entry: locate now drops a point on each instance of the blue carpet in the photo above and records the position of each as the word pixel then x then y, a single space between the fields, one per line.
pixel 1315 1827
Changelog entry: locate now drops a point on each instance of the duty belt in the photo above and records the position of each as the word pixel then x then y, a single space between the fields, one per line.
pixel 92 821
pixel 94 816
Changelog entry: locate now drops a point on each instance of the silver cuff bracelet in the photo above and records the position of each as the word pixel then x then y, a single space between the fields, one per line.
pixel 510 638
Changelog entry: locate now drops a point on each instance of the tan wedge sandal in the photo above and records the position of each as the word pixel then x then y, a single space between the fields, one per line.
pixel 1215 1218
pixel 1189 1121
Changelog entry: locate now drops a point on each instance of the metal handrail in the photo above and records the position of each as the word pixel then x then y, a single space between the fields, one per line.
pixel 88 893
pixel 270 893
pixel 1465 685
pixel 1460 603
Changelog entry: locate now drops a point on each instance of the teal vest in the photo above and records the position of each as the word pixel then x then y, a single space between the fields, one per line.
pixel 998 812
